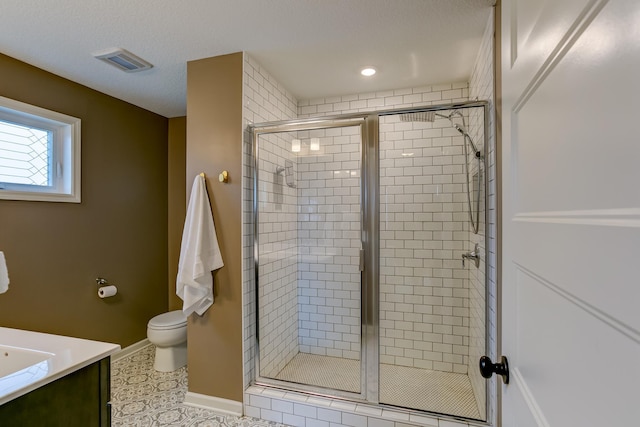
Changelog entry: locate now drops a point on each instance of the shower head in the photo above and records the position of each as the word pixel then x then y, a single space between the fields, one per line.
pixel 459 128
pixel 422 116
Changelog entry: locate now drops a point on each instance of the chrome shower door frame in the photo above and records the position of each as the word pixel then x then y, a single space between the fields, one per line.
pixel 370 231
pixel 307 125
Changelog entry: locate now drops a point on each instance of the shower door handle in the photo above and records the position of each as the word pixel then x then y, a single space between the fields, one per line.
pixel 361 259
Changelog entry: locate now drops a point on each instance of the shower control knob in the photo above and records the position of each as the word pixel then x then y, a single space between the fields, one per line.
pixel 488 368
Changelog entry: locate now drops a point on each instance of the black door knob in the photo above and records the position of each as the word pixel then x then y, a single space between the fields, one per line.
pixel 488 368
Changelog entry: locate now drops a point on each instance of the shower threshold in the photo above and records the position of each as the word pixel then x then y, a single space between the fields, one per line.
pixel 406 387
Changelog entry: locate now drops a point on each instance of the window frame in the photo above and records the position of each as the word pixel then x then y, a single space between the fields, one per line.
pixel 66 161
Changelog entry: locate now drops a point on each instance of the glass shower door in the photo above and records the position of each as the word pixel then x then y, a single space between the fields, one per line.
pixel 361 226
pixel 308 237
pixel 432 318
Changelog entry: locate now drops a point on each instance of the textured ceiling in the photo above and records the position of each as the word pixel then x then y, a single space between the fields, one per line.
pixel 315 48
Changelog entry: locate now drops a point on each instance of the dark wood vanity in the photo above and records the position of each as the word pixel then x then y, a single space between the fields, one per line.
pixel 79 399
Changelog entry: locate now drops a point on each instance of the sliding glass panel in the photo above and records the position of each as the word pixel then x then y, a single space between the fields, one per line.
pixel 432 317
pixel 308 242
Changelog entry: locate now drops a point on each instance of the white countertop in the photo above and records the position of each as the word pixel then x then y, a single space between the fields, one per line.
pixel 69 355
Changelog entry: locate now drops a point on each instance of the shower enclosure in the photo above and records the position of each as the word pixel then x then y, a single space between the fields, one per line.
pixel 370 257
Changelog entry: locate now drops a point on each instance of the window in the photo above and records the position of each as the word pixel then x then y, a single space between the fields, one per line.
pixel 39 154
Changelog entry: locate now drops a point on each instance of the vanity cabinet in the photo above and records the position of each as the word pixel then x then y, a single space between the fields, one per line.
pixel 79 399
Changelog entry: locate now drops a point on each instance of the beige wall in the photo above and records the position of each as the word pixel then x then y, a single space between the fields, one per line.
pixel 177 200
pixel 214 144
pixel 55 251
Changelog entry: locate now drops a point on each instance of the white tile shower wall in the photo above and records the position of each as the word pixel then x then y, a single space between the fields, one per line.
pixel 399 98
pixel 481 87
pixel 424 300
pixel 424 305
pixel 329 243
pixel 278 255
pixel 264 99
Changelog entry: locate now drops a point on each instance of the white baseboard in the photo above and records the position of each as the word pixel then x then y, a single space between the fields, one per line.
pixel 130 349
pixel 217 404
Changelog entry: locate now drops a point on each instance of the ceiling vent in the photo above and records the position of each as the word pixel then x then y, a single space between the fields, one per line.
pixel 124 60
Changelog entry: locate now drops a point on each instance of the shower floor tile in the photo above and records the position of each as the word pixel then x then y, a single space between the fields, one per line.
pixel 323 371
pixel 433 391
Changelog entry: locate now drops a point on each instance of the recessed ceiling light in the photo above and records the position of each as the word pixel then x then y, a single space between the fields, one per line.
pixel 368 72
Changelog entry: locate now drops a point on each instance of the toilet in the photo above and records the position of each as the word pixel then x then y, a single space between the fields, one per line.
pixel 168 331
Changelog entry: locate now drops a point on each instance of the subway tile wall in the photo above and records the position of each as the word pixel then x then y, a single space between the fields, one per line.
pixel 423 325
pixel 399 98
pixel 278 256
pixel 424 307
pixel 424 304
pixel 264 99
pixel 329 242
pixel 481 86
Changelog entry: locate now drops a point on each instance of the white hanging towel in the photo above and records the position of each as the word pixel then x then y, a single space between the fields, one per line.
pixel 4 274
pixel 199 253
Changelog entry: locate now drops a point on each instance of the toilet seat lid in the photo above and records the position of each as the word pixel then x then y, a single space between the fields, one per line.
pixel 170 320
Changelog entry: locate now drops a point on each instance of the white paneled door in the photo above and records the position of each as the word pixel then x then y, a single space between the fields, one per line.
pixel 571 212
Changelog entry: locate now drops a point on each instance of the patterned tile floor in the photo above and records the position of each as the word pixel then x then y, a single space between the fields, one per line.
pixel 143 397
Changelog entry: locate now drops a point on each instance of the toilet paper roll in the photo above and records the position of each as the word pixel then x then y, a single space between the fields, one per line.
pixel 107 291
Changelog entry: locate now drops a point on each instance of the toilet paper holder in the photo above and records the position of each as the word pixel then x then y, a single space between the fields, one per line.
pixel 105 290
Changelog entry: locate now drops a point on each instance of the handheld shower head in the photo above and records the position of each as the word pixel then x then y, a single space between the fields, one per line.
pixel 468 138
